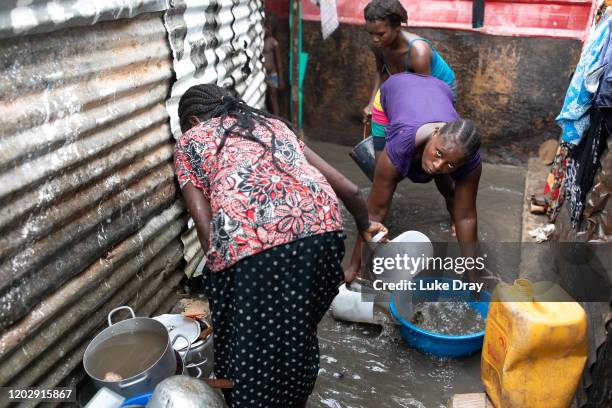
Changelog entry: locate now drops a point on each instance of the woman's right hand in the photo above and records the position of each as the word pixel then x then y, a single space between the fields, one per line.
pixel 367 112
pixel 350 273
pixel 373 229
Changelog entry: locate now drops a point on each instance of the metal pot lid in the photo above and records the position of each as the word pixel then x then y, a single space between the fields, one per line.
pixel 178 324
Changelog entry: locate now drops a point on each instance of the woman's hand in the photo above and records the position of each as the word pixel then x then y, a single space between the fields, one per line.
pixel 367 112
pixel 373 229
pixel 350 273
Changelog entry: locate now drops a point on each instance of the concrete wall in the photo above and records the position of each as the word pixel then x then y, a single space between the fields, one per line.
pixel 512 87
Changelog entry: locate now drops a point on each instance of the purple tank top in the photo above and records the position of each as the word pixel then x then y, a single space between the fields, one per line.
pixel 411 101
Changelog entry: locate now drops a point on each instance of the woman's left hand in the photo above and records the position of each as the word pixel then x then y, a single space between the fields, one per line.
pixel 373 229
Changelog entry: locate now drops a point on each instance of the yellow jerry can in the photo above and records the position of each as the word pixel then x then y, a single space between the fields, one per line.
pixel 535 346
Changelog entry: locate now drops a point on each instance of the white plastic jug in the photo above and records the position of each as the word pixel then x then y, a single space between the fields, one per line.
pixel 355 302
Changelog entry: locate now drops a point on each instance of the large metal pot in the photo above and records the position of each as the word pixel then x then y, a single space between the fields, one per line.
pixel 185 392
pixel 199 359
pixel 138 349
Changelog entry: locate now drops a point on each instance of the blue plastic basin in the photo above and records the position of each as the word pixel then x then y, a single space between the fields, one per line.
pixel 443 345
pixel 138 400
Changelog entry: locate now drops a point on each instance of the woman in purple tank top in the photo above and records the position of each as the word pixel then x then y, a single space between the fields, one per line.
pixel 426 140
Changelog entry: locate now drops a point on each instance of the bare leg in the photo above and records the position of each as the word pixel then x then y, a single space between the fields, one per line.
pixel 227 395
pixel 274 101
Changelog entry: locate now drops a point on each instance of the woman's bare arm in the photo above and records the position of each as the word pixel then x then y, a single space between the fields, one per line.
pixel 199 209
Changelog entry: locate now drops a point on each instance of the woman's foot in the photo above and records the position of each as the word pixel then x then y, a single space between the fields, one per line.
pixel 453 230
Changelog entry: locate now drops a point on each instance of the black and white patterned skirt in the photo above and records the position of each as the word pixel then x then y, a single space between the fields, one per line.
pixel 265 311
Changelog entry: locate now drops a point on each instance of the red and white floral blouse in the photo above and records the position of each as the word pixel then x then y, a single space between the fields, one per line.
pixel 254 205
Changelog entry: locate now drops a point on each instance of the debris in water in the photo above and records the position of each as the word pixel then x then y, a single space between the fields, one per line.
pixel 451 318
pixel 110 376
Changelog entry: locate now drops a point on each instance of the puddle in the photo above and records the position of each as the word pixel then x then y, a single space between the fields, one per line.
pixel 372 366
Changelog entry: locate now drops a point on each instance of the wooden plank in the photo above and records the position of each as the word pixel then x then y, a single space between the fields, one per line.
pixel 474 400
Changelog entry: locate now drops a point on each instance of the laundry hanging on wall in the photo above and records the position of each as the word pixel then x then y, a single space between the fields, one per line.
pixel 574 118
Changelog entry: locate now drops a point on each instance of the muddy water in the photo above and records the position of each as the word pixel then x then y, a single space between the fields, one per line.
pixel 452 318
pixel 127 354
pixel 364 366
pixel 369 366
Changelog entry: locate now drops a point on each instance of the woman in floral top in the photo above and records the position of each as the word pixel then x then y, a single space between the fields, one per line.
pixel 267 214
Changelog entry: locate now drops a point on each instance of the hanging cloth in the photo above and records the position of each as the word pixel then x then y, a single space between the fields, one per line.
pixel 554 190
pixel 582 166
pixel 574 118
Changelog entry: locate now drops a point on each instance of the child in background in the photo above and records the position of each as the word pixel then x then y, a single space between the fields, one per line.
pixel 274 70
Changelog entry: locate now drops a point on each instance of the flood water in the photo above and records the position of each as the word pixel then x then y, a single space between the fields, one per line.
pixel 371 366
pixel 365 366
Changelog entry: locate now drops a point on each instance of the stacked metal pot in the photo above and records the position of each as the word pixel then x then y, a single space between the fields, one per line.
pixel 134 355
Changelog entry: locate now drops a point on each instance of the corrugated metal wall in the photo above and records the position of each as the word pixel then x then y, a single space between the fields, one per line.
pixel 19 17
pixel 230 53
pixel 217 41
pixel 90 216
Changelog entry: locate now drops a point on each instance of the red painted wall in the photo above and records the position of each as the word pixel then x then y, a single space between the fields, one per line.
pixel 524 18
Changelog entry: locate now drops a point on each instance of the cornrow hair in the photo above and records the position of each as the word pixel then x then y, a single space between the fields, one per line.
pixel 207 101
pixel 390 11
pixel 462 132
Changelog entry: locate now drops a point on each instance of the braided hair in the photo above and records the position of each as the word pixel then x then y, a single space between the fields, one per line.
pixel 464 133
pixel 390 11
pixel 207 101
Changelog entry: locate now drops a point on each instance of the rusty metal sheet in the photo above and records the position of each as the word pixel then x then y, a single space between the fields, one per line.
pixel 20 17
pixel 81 96
pixel 216 41
pixel 89 213
pixel 126 258
pixel 33 358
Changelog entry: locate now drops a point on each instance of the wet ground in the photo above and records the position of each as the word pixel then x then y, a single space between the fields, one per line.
pixel 370 366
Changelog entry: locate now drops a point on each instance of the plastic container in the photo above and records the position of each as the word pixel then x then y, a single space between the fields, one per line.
pixel 137 401
pixel 355 302
pixel 443 345
pixel 535 346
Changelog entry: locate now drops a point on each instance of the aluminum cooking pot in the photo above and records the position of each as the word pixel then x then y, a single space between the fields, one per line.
pixel 199 360
pixel 185 392
pixel 130 357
